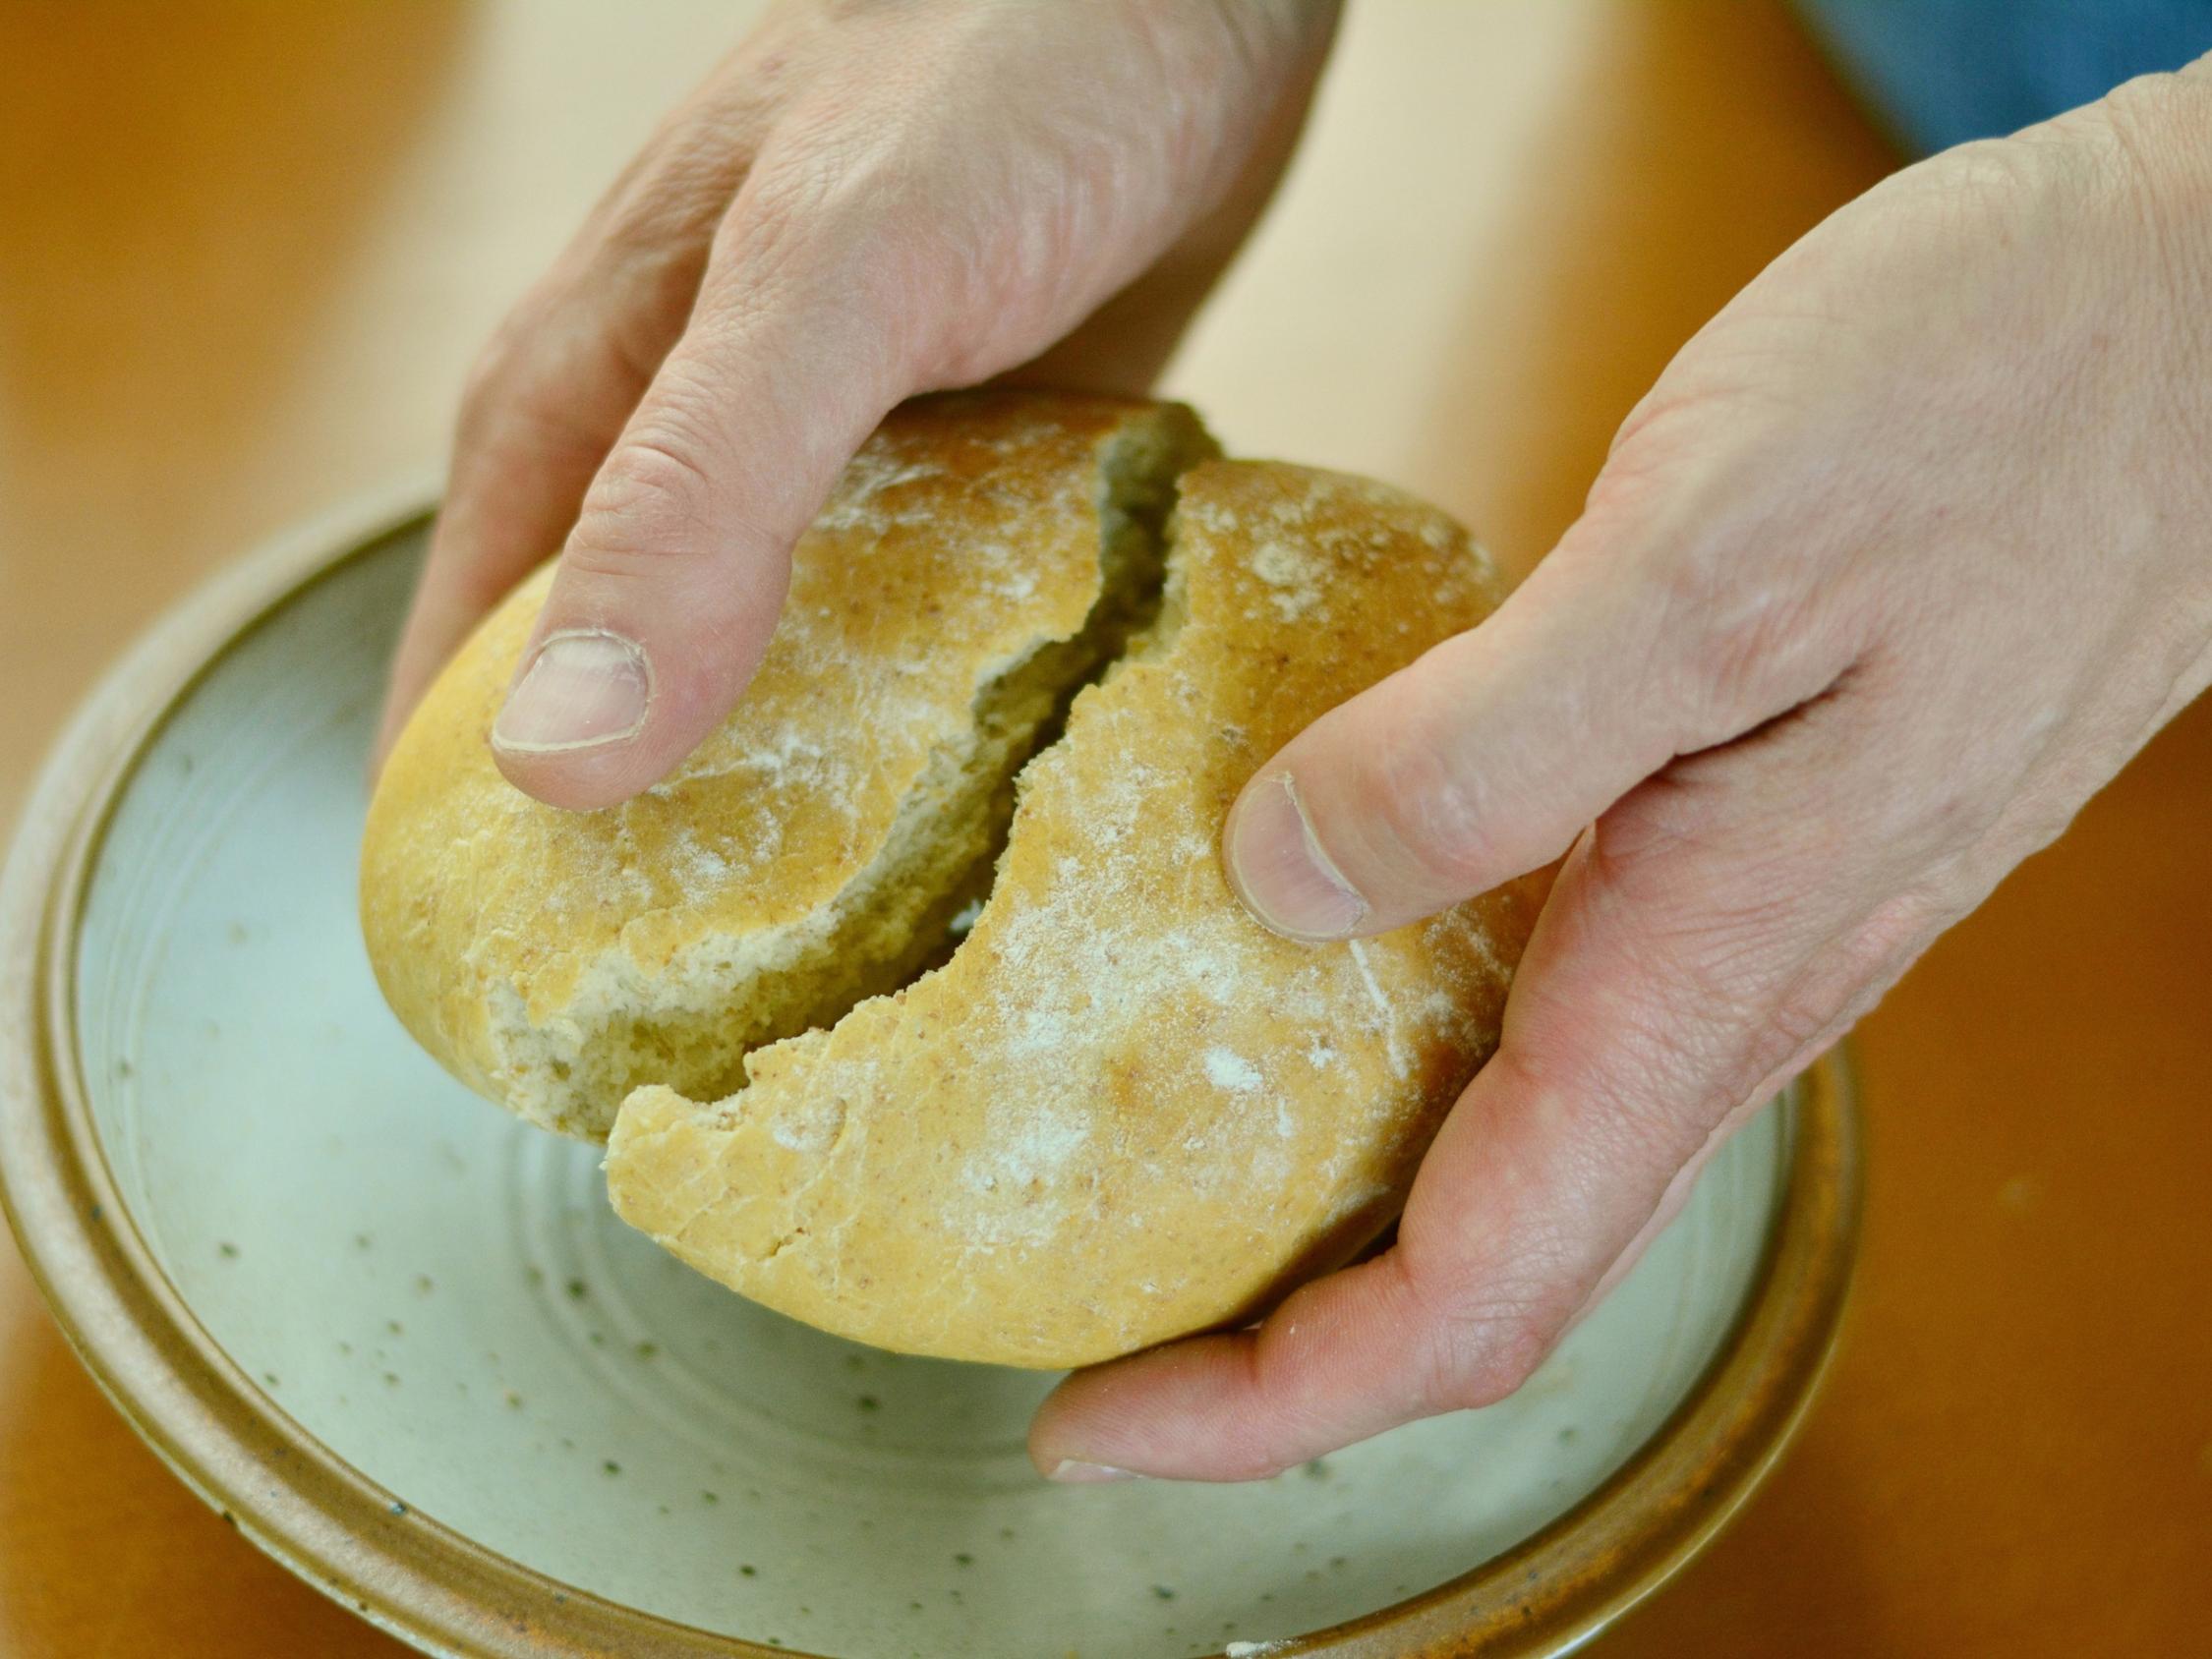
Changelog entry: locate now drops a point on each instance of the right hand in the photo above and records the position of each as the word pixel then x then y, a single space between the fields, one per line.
pixel 1906 554
pixel 860 204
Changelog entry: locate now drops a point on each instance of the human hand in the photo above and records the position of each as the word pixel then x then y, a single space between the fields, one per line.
pixel 860 204
pixel 1902 557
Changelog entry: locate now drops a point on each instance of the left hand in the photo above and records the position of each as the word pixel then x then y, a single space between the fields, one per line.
pixel 860 203
pixel 1903 556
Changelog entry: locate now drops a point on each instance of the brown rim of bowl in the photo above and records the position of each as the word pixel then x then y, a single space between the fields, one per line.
pixel 430 1585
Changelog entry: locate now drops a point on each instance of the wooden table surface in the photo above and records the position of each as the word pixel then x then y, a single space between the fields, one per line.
pixel 246 251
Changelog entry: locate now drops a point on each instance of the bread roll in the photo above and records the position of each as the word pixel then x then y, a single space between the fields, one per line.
pixel 1121 1111
pixel 977 560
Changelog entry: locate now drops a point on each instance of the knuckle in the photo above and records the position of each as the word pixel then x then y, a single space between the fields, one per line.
pixel 1429 817
pixel 1485 1330
pixel 1983 189
pixel 2142 130
pixel 1432 813
pixel 488 384
pixel 1671 428
pixel 1265 1439
pixel 1480 1355
pixel 792 253
pixel 2140 151
pixel 1256 1455
pixel 667 215
pixel 1991 174
pixel 884 215
pixel 1510 1359
pixel 840 178
pixel 651 493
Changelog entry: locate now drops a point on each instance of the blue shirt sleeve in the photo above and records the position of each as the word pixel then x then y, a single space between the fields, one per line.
pixel 1939 72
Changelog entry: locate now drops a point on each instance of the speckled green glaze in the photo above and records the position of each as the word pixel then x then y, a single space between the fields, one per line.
pixel 442 1297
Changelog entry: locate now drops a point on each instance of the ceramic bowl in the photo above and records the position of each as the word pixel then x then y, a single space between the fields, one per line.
pixel 400 1340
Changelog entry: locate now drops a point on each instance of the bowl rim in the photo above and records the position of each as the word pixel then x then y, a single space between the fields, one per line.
pixel 436 1589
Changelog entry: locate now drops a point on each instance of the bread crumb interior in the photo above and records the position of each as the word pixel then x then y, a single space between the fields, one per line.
pixel 906 912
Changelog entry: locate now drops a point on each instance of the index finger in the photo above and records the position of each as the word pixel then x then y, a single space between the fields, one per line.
pixel 548 397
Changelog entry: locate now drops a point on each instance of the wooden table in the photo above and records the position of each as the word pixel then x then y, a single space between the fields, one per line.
pixel 246 250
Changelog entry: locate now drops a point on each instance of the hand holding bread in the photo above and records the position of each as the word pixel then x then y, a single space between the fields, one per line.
pixel 862 203
pixel 1897 563
pixel 1118 1109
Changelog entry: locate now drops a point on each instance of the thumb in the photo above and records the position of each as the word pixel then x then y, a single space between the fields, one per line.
pixel 1485 759
pixel 671 581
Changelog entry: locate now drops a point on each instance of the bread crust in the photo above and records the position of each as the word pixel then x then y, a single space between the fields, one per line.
pixel 1122 1111
pixel 550 960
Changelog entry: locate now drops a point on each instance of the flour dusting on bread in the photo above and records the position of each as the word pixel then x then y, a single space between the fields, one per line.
pixel 1120 1080
pixel 979 558
pixel 917 1004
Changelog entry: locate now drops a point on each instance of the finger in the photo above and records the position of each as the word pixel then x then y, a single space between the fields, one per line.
pixel 877 249
pixel 551 393
pixel 1122 348
pixel 1685 1179
pixel 1837 844
pixel 1662 993
pixel 1889 944
pixel 1631 644
pixel 530 438
pixel 1385 1341
pixel 669 585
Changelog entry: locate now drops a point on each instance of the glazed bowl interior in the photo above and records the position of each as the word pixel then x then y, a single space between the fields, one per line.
pixel 440 1298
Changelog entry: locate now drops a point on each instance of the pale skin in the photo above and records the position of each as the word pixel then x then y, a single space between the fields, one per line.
pixel 1902 557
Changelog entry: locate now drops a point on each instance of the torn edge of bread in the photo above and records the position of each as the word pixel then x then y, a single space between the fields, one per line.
pixel 665 1169
pixel 729 993
pixel 1121 1111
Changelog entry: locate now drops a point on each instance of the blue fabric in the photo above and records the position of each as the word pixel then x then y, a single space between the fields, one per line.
pixel 1939 71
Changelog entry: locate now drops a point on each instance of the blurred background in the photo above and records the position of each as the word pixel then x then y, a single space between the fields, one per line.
pixel 247 251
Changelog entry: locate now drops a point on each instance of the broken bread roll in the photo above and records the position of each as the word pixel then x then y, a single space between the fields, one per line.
pixel 1034 648
pixel 978 560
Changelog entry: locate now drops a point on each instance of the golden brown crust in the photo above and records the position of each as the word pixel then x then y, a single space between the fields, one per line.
pixel 1122 1111
pixel 511 938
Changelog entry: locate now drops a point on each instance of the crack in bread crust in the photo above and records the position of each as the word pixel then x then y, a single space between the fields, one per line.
pixel 1025 530
pixel 1116 1110
pixel 1122 1110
